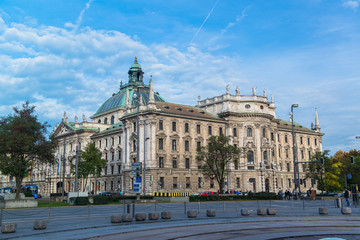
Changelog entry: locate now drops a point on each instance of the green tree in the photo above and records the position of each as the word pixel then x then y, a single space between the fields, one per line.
pixel 23 142
pixel 90 163
pixel 215 158
pixel 316 170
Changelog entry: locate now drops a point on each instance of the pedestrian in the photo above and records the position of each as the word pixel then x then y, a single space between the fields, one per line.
pixel 346 196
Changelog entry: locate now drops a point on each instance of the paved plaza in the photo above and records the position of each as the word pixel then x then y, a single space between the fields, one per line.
pixel 293 220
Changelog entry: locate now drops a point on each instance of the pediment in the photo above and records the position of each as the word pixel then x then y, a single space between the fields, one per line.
pixel 62 129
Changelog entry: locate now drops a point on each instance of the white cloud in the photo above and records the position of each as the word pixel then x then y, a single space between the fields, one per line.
pixel 353 4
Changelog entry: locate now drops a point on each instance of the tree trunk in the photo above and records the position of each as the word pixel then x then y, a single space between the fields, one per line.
pixel 221 186
pixel 18 181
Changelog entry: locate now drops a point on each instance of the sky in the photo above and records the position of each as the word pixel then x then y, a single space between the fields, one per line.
pixel 65 55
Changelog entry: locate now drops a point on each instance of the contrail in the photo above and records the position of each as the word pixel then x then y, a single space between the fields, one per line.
pixel 204 21
pixel 79 20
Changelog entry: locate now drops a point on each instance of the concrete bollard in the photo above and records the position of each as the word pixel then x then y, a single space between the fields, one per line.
pixel 127 217
pixel 165 215
pixel 8 227
pixel 140 216
pixel 346 211
pixel 40 224
pixel 261 211
pixel 211 213
pixel 116 218
pixel 323 211
pixel 245 212
pixel 153 216
pixel 271 211
pixel 192 214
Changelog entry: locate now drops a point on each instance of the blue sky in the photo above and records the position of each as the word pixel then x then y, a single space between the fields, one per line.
pixel 64 55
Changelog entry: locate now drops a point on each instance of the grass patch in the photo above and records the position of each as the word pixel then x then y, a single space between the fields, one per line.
pixel 51 204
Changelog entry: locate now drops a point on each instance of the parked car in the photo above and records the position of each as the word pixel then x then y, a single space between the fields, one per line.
pixel 109 194
pixel 208 193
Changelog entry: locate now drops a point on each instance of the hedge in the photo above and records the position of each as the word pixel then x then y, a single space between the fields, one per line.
pixel 99 200
pixel 81 201
pixel 226 197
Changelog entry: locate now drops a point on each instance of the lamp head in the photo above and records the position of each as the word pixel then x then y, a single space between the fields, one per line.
pixel 295 105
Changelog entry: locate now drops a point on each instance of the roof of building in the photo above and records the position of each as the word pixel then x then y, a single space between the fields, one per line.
pixel 112 128
pixel 184 110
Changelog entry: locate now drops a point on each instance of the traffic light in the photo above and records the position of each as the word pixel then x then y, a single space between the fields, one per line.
pixel 352 159
pixel 322 160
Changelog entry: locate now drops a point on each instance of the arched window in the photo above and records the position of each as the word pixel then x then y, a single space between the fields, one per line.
pixel 112 120
pixel 250 157
pixel 105 120
pixel 99 121
pixel 264 132
pixel 249 132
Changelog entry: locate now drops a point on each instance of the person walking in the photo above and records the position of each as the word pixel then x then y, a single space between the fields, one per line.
pixel 346 196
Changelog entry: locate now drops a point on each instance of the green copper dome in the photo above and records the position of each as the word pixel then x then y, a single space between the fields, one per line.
pixel 134 85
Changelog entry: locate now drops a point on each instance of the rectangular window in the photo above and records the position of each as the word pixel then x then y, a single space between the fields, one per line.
pixel 209 130
pixel 112 185
pixel 161 182
pixel 236 164
pixel 100 144
pixel 315 142
pixel 238 182
pixel 119 140
pixel 119 155
pixel 188 182
pixel 198 129
pixel 161 144
pixel 105 142
pixel 161 125
pixel 112 169
pixel 302 154
pixel 212 183
pixel 287 153
pixel 174 163
pixel 301 140
pixel 112 156
pixel 187 146
pixel 186 127
pixel 174 126
pixel 272 136
pixel 173 145
pixel 309 155
pixel 105 171
pixel 200 182
pixel 308 141
pixel 251 168
pixel 174 182
pixel 288 167
pixel 198 146
pixel 286 140
pixel 119 168
pixel 134 126
pixel 112 141
pixel 220 131
pixel 279 153
pixel 106 156
pixel 235 132
pixel 187 163
pixel 161 162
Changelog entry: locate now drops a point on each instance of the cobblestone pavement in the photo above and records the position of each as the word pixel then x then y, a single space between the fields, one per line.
pixel 293 220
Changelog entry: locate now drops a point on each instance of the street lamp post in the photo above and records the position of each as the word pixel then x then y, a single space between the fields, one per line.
pixel 296 182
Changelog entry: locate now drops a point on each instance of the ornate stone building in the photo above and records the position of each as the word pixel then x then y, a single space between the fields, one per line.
pixel 168 134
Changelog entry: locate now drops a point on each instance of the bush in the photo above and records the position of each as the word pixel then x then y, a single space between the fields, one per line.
pixel 81 201
pixel 28 194
pixel 222 197
pixel 99 200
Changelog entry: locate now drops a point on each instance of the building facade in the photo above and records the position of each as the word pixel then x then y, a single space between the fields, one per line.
pixel 138 125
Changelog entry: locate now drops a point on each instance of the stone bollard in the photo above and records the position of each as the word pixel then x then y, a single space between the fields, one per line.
pixel 140 216
pixel 116 218
pixel 8 227
pixel 346 211
pixel 40 224
pixel 192 214
pixel 127 217
pixel 323 211
pixel 261 211
pixel 271 211
pixel 153 216
pixel 211 213
pixel 165 215
pixel 245 212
